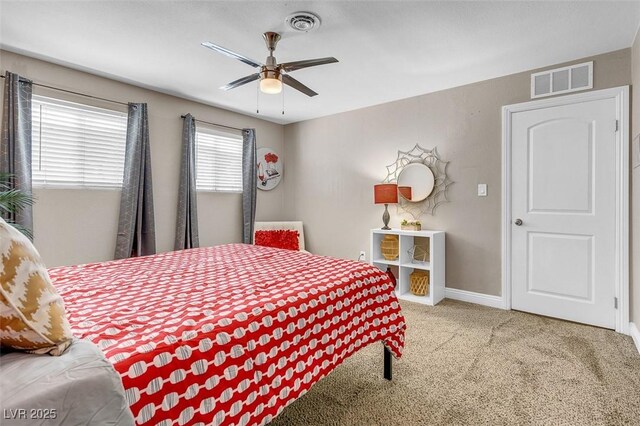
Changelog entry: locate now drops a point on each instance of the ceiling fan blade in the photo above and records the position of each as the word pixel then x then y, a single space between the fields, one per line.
pixel 241 81
pixel 231 54
pixel 290 81
pixel 296 65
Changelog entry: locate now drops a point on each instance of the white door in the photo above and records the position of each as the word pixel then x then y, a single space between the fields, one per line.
pixel 563 211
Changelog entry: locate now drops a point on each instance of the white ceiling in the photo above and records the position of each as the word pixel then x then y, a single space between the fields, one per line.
pixel 388 50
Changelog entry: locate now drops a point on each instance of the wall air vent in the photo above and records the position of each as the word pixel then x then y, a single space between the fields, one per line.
pixel 562 80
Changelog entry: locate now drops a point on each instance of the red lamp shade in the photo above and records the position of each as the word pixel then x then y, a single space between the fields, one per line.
pixel 405 191
pixel 385 193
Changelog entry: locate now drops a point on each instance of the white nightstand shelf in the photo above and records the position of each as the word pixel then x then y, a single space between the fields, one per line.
pixel 387 262
pixel 425 266
pixel 405 265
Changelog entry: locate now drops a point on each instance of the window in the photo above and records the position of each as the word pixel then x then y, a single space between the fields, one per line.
pixel 76 145
pixel 218 161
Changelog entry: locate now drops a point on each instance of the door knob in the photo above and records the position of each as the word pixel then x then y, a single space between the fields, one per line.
pixel 518 222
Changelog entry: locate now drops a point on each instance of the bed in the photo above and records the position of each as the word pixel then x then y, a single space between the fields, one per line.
pixel 230 334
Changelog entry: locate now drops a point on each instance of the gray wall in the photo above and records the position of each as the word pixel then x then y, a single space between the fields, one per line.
pixel 78 225
pixel 333 163
pixel 635 186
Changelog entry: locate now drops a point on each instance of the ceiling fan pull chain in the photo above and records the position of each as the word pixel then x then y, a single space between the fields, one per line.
pixel 282 100
pixel 258 99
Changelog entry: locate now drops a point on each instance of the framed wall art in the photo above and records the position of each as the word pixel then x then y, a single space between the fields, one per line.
pixel 269 169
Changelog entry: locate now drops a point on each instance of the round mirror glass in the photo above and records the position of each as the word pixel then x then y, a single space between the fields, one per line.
pixel 415 182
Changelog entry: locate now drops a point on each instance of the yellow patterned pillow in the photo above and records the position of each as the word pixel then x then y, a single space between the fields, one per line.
pixel 32 316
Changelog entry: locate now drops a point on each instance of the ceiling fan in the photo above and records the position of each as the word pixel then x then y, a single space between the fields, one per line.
pixel 271 74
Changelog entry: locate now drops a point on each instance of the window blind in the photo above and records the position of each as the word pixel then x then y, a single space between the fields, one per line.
pixel 218 161
pixel 76 145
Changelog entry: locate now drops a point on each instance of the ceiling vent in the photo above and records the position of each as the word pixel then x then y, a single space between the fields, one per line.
pixel 303 21
pixel 562 80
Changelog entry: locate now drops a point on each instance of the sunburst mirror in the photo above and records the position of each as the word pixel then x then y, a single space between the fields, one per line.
pixel 421 176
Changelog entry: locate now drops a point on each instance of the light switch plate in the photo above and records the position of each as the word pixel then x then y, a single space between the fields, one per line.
pixel 482 190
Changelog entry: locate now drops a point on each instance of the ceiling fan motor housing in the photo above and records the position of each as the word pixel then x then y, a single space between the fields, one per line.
pixel 267 73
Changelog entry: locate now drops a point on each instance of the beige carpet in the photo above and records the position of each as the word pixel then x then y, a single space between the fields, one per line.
pixel 466 364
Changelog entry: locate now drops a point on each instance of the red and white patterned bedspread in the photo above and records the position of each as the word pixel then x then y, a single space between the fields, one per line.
pixel 229 334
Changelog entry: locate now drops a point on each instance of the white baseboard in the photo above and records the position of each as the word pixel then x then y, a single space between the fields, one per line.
pixel 635 334
pixel 473 297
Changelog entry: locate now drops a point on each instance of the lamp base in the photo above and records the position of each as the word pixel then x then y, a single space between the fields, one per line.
pixel 386 217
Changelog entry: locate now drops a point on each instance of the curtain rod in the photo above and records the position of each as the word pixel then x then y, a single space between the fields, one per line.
pixel 117 102
pixel 214 124
pixel 72 92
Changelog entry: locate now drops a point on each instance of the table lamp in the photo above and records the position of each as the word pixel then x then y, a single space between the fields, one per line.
pixel 385 193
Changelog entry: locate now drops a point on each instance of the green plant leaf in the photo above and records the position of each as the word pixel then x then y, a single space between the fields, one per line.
pixel 14 200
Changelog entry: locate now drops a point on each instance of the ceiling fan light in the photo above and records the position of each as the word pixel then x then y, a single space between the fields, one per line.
pixel 271 86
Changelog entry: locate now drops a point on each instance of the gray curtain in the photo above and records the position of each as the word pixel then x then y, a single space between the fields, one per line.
pixel 187 219
pixel 136 227
pixel 15 148
pixel 249 183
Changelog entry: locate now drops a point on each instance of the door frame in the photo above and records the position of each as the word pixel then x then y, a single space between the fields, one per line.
pixel 621 97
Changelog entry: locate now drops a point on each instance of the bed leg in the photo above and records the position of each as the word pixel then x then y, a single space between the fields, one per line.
pixel 387 364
